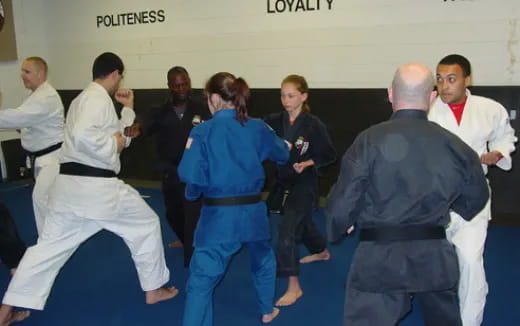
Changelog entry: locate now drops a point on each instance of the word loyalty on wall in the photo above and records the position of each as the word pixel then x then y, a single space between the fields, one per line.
pixel 280 6
pixel 131 18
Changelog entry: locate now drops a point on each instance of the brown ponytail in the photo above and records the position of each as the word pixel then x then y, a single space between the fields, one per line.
pixel 231 89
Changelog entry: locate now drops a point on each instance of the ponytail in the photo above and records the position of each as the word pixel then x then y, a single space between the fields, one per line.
pixel 241 100
pixel 231 89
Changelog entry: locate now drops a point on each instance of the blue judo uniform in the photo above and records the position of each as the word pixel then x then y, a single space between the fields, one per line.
pixel 223 159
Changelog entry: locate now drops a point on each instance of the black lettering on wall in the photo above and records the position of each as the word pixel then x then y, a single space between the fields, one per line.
pixel 161 15
pixel 297 6
pixel 131 18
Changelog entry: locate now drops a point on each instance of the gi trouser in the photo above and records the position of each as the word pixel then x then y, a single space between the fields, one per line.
pixel 182 214
pixel 469 239
pixel 11 246
pixel 387 309
pixel 66 228
pixel 46 168
pixel 207 268
pixel 296 225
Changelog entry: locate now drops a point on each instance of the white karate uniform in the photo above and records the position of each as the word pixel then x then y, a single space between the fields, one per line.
pixel 40 120
pixel 80 206
pixel 484 127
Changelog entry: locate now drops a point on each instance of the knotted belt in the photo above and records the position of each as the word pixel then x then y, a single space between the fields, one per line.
pixel 74 168
pixel 402 233
pixel 33 155
pixel 232 201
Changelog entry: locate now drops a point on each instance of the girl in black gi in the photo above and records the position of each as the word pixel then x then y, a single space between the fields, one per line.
pixel 298 181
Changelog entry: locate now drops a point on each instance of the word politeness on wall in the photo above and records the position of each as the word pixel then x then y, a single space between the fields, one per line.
pixel 131 18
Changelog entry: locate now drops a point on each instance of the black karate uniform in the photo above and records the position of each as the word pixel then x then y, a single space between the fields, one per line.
pixel 402 176
pixel 12 247
pixel 172 131
pixel 310 140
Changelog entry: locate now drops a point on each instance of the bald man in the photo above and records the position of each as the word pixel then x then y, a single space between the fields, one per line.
pixel 393 187
pixel 40 121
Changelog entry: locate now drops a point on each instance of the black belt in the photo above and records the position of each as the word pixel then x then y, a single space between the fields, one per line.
pixel 33 155
pixel 232 201
pixel 45 150
pixel 73 168
pixel 403 233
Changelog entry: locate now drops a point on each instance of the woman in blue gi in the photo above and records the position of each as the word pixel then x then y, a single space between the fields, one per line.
pixel 297 181
pixel 223 164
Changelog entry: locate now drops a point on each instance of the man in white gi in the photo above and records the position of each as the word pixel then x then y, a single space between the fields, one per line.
pixel 484 125
pixel 88 197
pixel 40 121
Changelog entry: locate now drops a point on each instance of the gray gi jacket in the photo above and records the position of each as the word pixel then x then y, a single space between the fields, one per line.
pixel 405 172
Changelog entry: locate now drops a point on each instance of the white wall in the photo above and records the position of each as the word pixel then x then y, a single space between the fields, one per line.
pixel 357 44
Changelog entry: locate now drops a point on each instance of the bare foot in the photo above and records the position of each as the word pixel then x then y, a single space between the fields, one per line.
pixel 289 298
pixel 269 317
pixel 9 316
pixel 175 244
pixel 324 255
pixel 161 294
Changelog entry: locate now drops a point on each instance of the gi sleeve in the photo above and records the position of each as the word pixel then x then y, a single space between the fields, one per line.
pixel 149 121
pixel 502 138
pixel 346 195
pixel 474 192
pixel 324 152
pixel 127 119
pixel 33 111
pixel 193 168
pixel 275 148
pixel 90 135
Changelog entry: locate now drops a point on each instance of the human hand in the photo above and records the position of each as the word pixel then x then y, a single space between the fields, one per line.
pixel 300 166
pixel 120 141
pixel 126 97
pixel 133 131
pixel 491 158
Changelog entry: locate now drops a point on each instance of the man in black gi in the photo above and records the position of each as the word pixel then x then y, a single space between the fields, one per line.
pixel 12 247
pixel 398 182
pixel 172 123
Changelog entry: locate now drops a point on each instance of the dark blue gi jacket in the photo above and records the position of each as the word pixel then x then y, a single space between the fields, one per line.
pixel 405 172
pixel 172 132
pixel 223 159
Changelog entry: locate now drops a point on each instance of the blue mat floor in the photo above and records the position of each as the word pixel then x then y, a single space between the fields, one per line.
pixel 99 286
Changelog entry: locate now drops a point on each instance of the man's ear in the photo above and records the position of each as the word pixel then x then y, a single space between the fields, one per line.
pixel 433 96
pixel 390 94
pixel 468 81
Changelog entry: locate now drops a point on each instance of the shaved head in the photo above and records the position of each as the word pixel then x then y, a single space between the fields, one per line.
pixel 39 64
pixel 33 72
pixel 412 87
